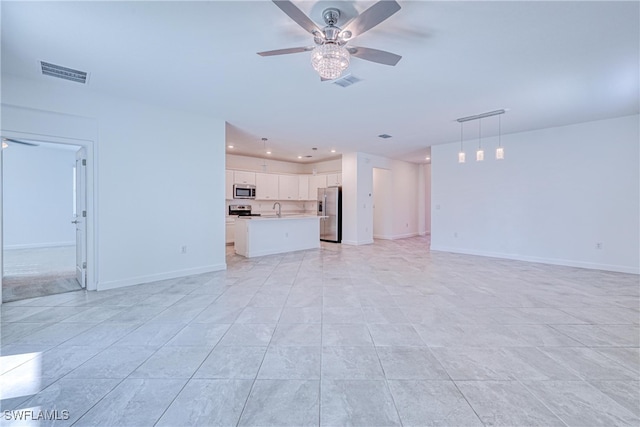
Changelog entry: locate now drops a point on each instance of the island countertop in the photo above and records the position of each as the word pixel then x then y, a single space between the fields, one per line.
pixel 275 217
pixel 267 235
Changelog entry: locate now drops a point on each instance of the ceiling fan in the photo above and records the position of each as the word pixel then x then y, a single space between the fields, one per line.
pixel 330 55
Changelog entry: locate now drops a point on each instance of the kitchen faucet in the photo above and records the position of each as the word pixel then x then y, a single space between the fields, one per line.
pixel 279 208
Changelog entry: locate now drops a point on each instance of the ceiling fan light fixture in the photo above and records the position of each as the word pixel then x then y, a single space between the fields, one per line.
pixel 330 60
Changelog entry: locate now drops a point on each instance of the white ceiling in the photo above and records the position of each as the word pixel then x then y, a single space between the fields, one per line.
pixel 548 63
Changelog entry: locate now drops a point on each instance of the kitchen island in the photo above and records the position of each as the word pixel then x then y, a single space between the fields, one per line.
pixel 267 235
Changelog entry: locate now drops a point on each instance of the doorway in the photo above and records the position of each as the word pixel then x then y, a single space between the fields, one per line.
pixel 44 218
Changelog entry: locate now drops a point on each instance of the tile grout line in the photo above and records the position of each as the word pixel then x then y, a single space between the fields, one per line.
pixel 244 406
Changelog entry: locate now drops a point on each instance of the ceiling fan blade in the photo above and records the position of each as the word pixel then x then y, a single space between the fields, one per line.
pixel 372 17
pixel 15 141
pixel 285 51
pixel 374 55
pixel 297 15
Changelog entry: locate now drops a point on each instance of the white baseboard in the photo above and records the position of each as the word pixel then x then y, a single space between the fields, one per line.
pixel 394 236
pixel 542 260
pixel 383 236
pixel 39 245
pixel 161 276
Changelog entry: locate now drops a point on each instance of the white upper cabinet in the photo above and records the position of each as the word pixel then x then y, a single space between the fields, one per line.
pixel 303 187
pixel 288 187
pixel 228 185
pixel 315 182
pixel 240 177
pixel 334 179
pixel 267 186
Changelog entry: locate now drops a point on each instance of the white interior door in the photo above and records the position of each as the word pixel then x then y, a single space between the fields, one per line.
pixel 80 216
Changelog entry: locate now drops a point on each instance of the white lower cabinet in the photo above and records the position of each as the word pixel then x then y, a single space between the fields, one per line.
pixel 230 231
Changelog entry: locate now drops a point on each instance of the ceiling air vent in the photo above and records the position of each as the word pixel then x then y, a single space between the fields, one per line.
pixel 347 80
pixel 53 70
pixel 384 136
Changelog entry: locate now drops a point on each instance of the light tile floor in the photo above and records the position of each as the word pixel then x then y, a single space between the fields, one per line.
pixel 385 334
pixel 36 272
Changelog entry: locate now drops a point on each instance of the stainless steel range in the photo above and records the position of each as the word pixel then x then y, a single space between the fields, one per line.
pixel 241 210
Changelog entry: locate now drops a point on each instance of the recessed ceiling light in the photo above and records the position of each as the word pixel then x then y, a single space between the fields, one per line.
pixel 230 146
pixel 333 151
pixel 427 158
pixel 268 152
pixel 299 157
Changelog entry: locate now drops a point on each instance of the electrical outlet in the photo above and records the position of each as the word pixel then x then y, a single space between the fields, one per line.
pixel 183 249
pixel 455 234
pixel 598 245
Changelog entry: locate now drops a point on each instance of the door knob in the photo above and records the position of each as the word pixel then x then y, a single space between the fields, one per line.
pixel 74 222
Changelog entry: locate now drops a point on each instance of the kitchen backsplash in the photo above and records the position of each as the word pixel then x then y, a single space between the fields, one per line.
pixel 266 207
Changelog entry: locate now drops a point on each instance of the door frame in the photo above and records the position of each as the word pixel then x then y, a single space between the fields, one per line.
pixel 91 200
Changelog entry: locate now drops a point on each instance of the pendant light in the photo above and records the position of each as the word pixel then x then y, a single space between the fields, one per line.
pixel 480 152
pixel 461 155
pixel 264 148
pixel 499 150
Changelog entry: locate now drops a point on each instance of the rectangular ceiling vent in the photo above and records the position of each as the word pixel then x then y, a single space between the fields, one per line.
pixel 347 80
pixel 384 136
pixel 60 72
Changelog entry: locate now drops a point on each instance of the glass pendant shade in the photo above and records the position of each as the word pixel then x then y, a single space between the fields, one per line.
pixel 461 157
pixel 330 60
pixel 499 153
pixel 479 155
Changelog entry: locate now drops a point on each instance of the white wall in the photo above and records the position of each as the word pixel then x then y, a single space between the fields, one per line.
pixel 160 179
pixel 248 163
pixel 382 209
pixel 327 166
pixel 558 192
pixel 357 198
pixel 38 197
pixel 405 198
pixel 427 181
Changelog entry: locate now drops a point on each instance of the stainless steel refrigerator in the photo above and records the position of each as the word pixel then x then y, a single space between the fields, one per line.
pixel 330 213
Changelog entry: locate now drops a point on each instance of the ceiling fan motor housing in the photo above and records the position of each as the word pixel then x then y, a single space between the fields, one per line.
pixel 331 16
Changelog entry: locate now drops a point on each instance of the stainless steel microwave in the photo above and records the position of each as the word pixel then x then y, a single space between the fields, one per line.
pixel 244 191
